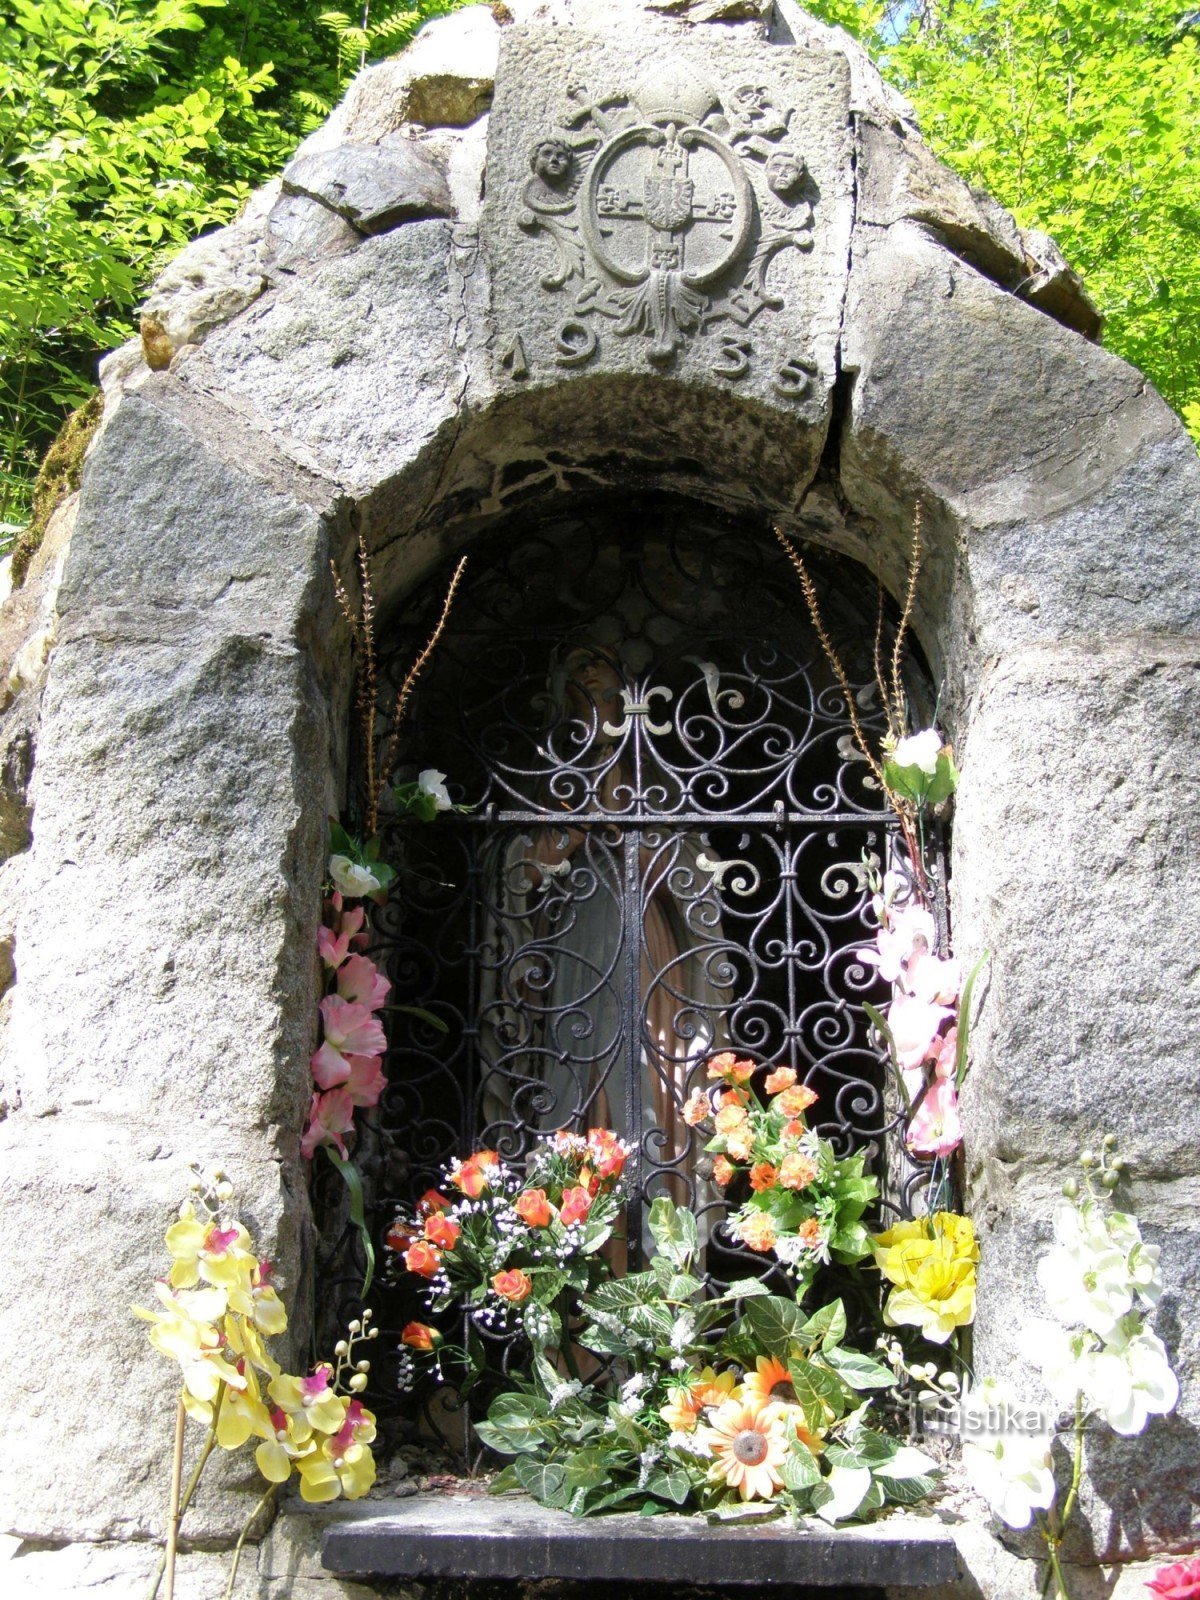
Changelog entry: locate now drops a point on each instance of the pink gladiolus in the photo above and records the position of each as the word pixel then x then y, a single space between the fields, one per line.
pixel 366 1081
pixel 935 1129
pixel 361 982
pixel 933 980
pixel 330 1117
pixel 350 1028
pixel 909 932
pixel 333 947
pixel 913 1024
pixel 943 1053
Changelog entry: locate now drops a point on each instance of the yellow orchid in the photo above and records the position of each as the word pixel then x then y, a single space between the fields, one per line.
pixel 201 1250
pixel 245 1340
pixel 310 1399
pixel 291 1439
pixel 243 1414
pixel 199 1349
pixel 341 1464
pixel 931 1263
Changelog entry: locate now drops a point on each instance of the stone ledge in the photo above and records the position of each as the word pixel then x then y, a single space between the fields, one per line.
pixel 465 1536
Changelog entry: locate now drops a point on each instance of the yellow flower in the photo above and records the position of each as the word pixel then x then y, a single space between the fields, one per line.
pixel 291 1439
pixel 769 1381
pixel 202 1251
pixel 714 1388
pixel 242 1414
pixel 310 1399
pixel 748 1445
pixel 342 1463
pixel 184 1331
pixel 931 1263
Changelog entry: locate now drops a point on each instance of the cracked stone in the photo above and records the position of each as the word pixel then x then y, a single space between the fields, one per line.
pixel 375 187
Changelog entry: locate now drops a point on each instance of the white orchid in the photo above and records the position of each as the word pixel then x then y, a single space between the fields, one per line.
pixel 353 879
pixel 1006 1453
pixel 1130 1381
pixel 1084 1277
pixel 919 750
pixel 433 783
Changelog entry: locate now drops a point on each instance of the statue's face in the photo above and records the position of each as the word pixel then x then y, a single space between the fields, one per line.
pixel 552 161
pixel 784 173
pixel 593 684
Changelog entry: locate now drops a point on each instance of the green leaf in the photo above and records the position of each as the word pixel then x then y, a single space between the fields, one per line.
pixel 773 1323
pixel 842 1493
pixel 422 1015
pixel 546 1482
pixel 858 1370
pixel 825 1327
pixel 353 1182
pixel 964 1022
pixel 674 1231
pixel 818 1393
pixel 744 1289
pixel 800 1470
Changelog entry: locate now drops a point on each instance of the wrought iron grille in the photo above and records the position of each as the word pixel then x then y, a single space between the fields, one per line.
pixel 664 854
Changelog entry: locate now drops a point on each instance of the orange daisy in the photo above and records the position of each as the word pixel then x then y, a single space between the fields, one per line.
pixel 749 1446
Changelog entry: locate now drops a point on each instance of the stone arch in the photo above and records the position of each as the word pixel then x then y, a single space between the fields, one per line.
pixel 338 368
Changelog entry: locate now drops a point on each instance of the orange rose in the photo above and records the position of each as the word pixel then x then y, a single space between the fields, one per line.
pixel 514 1286
pixel 431 1200
pixel 576 1203
pixel 420 1336
pixel 696 1108
pixel 779 1080
pixel 795 1101
pixel 423 1259
pixel 757 1231
pixel 740 1143
pixel 607 1152
pixel 723 1172
pixel 533 1208
pixel 729 1118
pixel 763 1176
pixel 472 1175
pixel 797 1171
pixel 399 1236
pixel 442 1230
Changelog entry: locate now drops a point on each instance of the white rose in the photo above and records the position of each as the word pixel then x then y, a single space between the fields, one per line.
pixel 919 750
pixel 351 879
pixel 432 782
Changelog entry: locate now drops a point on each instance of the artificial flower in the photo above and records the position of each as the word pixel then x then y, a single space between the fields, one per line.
pixel 338 1466
pixel 711 1388
pixel 291 1437
pixel 730 1117
pixel 755 1229
pixel 399 1235
pixel 797 1170
pixel 420 1336
pixel 442 1230
pixel 350 1029
pixel 472 1176
pixel 360 982
pixel 1178 1582
pixel 682 1411
pixel 931 1263
pixel 908 932
pixel 740 1143
pixel 514 1285
pixel 352 878
pixel 749 1446
pixel 932 978
pixel 919 750
pixel 913 1025
pixel 423 1258
pixel 432 1200
pixel 330 1117
pixel 763 1176
pixel 608 1153
pixel 782 1078
pixel 936 1129
pixel 1008 1464
pixel 723 1172
pixel 201 1250
pixel 366 1081
pixel 728 1066
pixel 770 1380
pixel 1130 1380
pixel 311 1400
pixel 182 1335
pixel 533 1208
pixel 1084 1276
pixel 576 1203
pixel 794 1101
pixel 433 783
pixel 243 1415
pixel 696 1108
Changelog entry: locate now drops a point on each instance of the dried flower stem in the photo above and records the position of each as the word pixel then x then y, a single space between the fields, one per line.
pixel 910 596
pixel 366 675
pixel 418 666
pixel 831 655
pixel 174 1514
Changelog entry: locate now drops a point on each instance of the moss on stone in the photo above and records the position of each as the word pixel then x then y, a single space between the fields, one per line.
pixel 58 476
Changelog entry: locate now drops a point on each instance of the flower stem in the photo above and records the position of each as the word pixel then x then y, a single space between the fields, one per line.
pixel 266 1500
pixel 1055 1525
pixel 190 1488
pixel 174 1514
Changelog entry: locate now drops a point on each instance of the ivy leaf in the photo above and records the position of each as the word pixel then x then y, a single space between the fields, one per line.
pixel 674 1231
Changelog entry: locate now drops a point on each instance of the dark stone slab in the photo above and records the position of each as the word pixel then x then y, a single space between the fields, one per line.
pixel 472 1537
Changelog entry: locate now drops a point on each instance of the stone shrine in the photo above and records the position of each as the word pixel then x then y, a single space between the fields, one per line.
pixel 562 249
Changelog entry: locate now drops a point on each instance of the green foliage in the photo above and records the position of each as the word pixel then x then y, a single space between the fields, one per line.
pixel 127 128
pixel 1081 116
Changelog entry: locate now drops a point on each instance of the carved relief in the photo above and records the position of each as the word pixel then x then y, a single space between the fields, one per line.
pixel 665 208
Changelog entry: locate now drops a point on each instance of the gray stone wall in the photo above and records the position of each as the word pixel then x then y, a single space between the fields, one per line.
pixel 386 340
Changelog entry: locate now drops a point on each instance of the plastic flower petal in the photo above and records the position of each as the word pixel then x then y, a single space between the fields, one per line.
pixel 360 982
pixel 1131 1380
pixel 311 1400
pixel 1006 1460
pixel 352 878
pixel 433 783
pixel 330 1116
pixel 749 1446
pixel 936 1129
